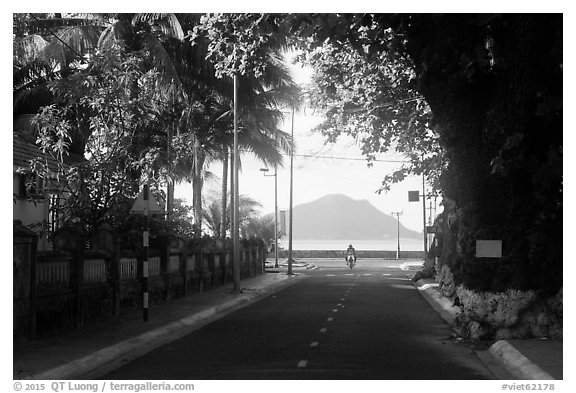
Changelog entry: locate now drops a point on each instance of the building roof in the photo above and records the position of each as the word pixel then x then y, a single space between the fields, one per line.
pixel 24 152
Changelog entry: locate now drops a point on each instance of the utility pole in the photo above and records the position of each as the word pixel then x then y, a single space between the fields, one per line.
pixel 235 223
pixel 397 214
pixel 264 170
pixel 276 215
pixel 424 214
pixel 291 200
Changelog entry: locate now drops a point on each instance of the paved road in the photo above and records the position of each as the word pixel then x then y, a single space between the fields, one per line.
pixel 368 323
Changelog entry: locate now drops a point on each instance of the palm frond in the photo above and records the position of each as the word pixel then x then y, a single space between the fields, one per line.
pixel 81 39
pixel 118 32
pixel 30 100
pixel 29 48
pixel 166 23
pixel 161 61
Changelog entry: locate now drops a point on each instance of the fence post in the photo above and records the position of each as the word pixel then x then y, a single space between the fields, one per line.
pixel 184 252
pixel 24 282
pixel 164 262
pixel 72 239
pixel 115 276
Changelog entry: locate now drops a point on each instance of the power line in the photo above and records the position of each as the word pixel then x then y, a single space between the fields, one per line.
pixel 348 158
pixel 335 158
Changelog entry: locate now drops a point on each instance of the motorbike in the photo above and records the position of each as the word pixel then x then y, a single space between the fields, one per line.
pixel 350 260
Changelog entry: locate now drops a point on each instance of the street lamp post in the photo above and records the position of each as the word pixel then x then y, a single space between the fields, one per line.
pixel 264 170
pixel 235 198
pixel 291 200
pixel 397 214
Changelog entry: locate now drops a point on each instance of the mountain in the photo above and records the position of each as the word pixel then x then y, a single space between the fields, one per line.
pixel 336 217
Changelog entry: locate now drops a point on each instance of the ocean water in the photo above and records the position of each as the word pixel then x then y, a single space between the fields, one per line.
pixel 372 245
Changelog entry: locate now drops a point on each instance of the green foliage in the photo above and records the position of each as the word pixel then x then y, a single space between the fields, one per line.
pixel 240 43
pixel 114 127
pixel 366 87
pixel 261 227
pixel 473 101
pixel 495 128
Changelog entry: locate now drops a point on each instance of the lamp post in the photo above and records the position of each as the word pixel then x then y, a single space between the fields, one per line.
pixel 235 198
pixel 291 200
pixel 397 214
pixel 264 170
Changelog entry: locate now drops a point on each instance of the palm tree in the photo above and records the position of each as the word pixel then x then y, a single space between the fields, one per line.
pixel 260 116
pixel 248 210
pixel 49 47
pixel 184 79
pixel 262 227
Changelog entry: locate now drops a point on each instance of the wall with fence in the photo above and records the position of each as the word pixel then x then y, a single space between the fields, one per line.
pixel 73 286
pixel 359 254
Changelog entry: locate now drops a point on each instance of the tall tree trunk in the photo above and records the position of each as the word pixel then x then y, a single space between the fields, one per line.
pixel 224 193
pixel 170 185
pixel 197 184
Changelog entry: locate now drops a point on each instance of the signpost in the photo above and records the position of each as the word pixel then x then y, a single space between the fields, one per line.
pixel 414 196
pixel 146 205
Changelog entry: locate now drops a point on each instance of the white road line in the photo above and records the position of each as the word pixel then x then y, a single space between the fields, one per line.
pixel 329 319
pixel 314 344
pixel 302 363
pixel 335 310
pixel 386 274
pixel 367 274
pixel 323 330
pixel 401 279
pixel 330 275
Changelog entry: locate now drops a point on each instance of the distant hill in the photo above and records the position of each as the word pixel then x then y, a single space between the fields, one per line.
pixel 336 217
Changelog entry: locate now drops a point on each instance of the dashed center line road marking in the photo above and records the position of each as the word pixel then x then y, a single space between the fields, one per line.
pixel 386 274
pixel 314 344
pixel 323 330
pixel 302 363
pixel 329 319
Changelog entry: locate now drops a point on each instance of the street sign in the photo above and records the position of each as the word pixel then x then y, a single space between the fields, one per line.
pixel 413 196
pixel 146 203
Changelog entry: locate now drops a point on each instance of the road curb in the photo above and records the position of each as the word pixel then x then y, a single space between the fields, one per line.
pixel 517 364
pixel 109 358
pixel 441 304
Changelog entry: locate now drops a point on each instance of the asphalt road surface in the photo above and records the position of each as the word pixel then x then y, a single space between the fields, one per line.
pixel 368 323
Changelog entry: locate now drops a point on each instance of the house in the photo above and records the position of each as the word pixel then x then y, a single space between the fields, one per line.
pixel 36 197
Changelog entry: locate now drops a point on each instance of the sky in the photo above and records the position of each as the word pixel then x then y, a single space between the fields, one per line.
pixel 321 170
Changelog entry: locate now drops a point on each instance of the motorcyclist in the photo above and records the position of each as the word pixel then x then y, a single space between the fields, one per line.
pixel 350 251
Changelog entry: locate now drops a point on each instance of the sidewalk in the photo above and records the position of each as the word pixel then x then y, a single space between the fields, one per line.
pixel 531 359
pixel 89 352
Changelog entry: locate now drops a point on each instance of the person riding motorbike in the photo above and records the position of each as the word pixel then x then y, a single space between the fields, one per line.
pixel 350 251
